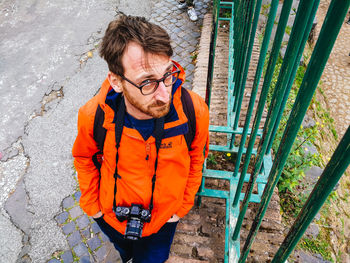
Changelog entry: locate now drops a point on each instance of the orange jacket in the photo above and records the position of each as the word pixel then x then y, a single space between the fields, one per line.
pixel 178 175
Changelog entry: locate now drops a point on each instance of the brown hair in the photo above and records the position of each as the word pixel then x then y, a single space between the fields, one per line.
pixel 120 32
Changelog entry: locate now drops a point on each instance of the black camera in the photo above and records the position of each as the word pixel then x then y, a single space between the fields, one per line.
pixel 136 216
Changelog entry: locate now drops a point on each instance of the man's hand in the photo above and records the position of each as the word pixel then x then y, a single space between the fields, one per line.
pixel 99 214
pixel 173 218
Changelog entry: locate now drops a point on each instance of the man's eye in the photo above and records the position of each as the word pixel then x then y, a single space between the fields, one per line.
pixel 147 81
pixel 167 74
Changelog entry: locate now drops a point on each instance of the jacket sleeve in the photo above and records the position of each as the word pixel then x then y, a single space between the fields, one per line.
pixel 200 148
pixel 88 176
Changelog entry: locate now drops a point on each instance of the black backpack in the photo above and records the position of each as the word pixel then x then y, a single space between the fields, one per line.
pixel 99 133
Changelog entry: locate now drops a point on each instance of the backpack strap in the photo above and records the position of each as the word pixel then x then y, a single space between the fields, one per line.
pixel 119 125
pixel 99 131
pixel 99 135
pixel 188 108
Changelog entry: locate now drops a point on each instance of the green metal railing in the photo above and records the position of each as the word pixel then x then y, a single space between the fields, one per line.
pixel 243 23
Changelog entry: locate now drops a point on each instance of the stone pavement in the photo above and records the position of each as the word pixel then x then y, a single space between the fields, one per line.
pixel 44 78
pixel 183 32
pixel 86 241
pixel 336 75
pixel 336 86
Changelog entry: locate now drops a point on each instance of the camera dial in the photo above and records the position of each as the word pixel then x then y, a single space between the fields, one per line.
pixel 126 210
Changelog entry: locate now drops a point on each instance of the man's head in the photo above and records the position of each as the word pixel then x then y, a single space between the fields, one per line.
pixel 136 52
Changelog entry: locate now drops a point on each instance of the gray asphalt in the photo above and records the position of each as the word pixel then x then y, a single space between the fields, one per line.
pixel 45 76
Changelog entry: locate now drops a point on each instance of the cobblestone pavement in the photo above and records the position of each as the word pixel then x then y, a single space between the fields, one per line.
pixel 336 87
pixel 86 241
pixel 336 75
pixel 183 32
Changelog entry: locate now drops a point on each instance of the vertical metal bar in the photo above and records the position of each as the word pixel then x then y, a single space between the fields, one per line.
pixel 243 11
pixel 244 59
pixel 216 4
pixel 231 72
pixel 252 100
pixel 237 14
pixel 212 52
pixel 324 45
pixel 292 77
pixel 236 45
pixel 247 57
pixel 247 61
pixel 198 202
pixel 227 231
pixel 236 35
pixel 268 77
pixel 234 248
pixel 301 18
pixel 329 178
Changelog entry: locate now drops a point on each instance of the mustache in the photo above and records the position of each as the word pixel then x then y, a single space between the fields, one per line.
pixel 158 103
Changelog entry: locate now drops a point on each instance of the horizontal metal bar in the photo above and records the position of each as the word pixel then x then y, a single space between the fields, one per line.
pixel 254 198
pixel 226 3
pixel 227 175
pixel 224 19
pixel 217 174
pixel 225 7
pixel 214 193
pixel 221 148
pixel 225 129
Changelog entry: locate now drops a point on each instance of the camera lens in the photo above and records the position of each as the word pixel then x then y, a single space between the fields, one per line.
pixel 126 210
pixel 133 229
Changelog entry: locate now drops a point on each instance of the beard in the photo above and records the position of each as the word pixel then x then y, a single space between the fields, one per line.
pixel 157 109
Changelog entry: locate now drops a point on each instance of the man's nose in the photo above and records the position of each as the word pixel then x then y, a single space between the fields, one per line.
pixel 162 93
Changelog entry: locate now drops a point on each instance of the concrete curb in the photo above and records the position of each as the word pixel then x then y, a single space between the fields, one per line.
pixel 201 69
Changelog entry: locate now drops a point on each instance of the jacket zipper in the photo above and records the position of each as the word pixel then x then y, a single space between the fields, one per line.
pixel 148 152
pixel 148 149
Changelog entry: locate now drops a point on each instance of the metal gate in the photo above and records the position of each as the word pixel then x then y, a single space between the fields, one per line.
pixel 243 20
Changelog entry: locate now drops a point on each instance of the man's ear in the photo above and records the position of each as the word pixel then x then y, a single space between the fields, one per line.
pixel 115 82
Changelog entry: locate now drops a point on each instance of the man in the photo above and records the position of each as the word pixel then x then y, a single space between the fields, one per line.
pixel 144 186
pixel 190 9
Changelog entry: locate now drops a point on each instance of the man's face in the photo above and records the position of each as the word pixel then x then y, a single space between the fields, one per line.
pixel 138 68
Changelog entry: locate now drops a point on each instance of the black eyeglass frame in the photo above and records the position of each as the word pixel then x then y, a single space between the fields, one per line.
pixel 177 71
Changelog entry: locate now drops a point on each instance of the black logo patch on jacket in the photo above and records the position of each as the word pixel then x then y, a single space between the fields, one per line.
pixel 166 145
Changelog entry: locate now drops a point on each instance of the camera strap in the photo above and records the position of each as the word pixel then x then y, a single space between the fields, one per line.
pixel 119 125
pixel 158 134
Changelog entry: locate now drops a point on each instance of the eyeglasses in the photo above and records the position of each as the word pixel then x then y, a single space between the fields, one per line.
pixel 148 86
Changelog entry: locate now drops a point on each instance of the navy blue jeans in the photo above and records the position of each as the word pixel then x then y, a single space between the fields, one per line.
pixel 151 249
